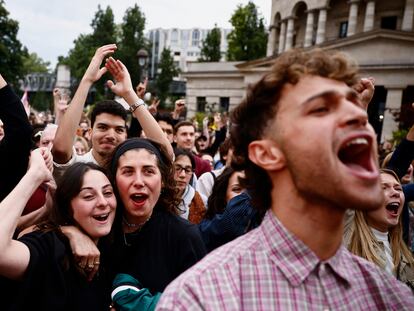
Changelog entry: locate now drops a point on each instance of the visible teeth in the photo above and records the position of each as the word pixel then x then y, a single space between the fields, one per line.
pixel 357 141
pixel 101 217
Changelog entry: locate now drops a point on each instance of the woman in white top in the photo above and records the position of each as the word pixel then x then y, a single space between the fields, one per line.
pixel 377 234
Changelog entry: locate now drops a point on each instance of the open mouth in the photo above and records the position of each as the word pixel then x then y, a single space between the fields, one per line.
pixel 356 155
pixel 139 198
pixel 393 208
pixel 102 217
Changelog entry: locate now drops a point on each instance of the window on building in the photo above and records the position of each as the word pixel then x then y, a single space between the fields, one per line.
pixel 195 38
pixel 343 29
pixel 177 53
pixel 389 22
pixel 224 103
pixel 174 37
pixel 201 104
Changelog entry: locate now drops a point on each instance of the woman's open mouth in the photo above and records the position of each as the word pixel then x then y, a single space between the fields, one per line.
pixel 393 208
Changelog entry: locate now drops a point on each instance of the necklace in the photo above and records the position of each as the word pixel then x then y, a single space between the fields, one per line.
pixel 137 228
pixel 130 225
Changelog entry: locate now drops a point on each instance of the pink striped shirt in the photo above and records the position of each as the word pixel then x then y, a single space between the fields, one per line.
pixel 270 269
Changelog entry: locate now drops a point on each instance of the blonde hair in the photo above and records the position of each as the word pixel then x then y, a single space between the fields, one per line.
pixel 364 244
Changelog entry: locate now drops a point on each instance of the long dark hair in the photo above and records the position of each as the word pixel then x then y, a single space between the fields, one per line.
pixel 68 187
pixel 217 200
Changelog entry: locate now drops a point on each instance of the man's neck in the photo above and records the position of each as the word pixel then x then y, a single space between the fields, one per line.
pixel 102 161
pixel 319 226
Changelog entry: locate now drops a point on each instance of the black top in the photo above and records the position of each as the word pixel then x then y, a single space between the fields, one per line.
pixel 16 144
pixel 166 246
pixel 47 285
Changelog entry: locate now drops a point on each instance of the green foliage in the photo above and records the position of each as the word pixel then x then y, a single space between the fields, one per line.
pixel 11 50
pixel 210 51
pixel 167 72
pixel 103 25
pixel 248 39
pixel 199 117
pixel 33 63
pixel 398 136
pixel 131 40
pixel 41 101
pixel 104 32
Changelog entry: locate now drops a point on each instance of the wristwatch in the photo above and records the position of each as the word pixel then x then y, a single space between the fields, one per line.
pixel 134 107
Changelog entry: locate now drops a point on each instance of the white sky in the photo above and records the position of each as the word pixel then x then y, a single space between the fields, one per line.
pixel 48 27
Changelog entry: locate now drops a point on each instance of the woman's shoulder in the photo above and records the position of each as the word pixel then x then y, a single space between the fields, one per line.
pixel 44 243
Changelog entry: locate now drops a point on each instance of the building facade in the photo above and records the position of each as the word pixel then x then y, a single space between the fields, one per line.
pixel 378 34
pixel 185 46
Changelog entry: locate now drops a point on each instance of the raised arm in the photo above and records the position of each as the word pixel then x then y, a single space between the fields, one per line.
pixel 15 256
pixel 365 88
pixel 63 143
pixel 16 144
pixel 123 88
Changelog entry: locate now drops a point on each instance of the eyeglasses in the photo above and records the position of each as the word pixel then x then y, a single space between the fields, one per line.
pixel 178 169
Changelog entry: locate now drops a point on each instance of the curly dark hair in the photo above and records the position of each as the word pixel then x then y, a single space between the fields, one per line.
pixel 259 107
pixel 108 106
pixel 179 152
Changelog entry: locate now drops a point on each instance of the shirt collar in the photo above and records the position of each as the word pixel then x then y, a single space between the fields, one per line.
pixel 293 257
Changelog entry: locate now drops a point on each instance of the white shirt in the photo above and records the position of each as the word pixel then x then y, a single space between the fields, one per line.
pixel 383 238
pixel 59 169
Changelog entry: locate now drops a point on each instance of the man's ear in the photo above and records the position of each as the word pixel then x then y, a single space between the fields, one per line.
pixel 267 155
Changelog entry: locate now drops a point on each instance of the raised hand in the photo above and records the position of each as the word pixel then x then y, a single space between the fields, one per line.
pixel 365 88
pixel 141 88
pixel 41 164
pixel 94 72
pixel 153 108
pixel 122 85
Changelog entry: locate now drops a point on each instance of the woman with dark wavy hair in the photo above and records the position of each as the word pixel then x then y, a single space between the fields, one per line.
pixel 39 269
pixel 152 243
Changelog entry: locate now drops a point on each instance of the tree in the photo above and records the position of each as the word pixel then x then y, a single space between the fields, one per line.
pixel 33 63
pixel 132 39
pixel 104 32
pixel 248 39
pixel 11 49
pixel 210 51
pixel 167 72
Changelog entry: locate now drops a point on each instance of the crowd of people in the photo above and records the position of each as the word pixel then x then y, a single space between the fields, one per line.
pixel 282 207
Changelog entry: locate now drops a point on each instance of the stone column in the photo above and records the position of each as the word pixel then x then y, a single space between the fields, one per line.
pixel 369 16
pixel 271 41
pixel 282 36
pixel 392 103
pixel 320 33
pixel 353 17
pixel 309 29
pixel 407 23
pixel 289 33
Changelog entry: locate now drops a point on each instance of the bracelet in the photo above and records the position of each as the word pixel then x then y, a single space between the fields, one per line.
pixel 136 105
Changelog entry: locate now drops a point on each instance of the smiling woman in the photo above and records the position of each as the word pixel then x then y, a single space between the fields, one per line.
pixel 41 262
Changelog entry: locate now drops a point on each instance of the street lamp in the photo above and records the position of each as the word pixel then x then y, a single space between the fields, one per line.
pixel 142 55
